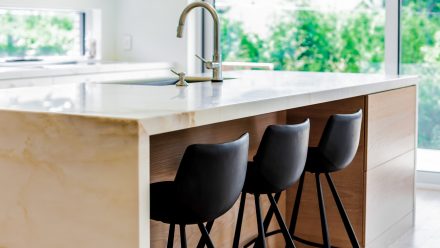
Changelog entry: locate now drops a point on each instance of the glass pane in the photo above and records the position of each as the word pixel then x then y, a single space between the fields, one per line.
pixel 305 35
pixel 34 33
pixel 420 55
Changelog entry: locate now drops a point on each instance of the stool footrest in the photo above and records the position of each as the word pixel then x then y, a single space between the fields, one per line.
pixel 296 238
pixel 308 242
pixel 266 235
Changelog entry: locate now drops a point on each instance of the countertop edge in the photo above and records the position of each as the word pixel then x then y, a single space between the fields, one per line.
pixel 177 120
pixel 184 120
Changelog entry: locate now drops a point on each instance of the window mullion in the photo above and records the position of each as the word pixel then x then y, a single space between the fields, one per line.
pixel 392 37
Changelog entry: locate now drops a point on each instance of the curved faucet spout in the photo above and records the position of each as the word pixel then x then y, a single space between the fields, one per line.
pixel 216 61
pixel 210 9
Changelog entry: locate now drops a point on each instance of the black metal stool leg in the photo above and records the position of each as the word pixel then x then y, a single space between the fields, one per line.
pixel 209 226
pixel 324 227
pixel 261 241
pixel 295 211
pixel 171 236
pixel 266 224
pixel 269 214
pixel 205 235
pixel 239 220
pixel 182 236
pixel 344 216
pixel 281 223
pixel 202 240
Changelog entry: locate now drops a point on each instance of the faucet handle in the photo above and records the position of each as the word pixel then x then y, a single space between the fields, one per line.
pixel 177 73
pixel 208 64
pixel 182 81
pixel 202 59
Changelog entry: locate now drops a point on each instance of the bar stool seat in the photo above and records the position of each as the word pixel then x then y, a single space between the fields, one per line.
pixel 336 150
pixel 278 164
pixel 255 182
pixel 166 207
pixel 317 163
pixel 207 184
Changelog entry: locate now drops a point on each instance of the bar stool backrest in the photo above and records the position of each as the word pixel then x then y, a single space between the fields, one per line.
pixel 282 154
pixel 340 139
pixel 211 176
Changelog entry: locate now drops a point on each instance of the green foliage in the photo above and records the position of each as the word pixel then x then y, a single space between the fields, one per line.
pixel 421 56
pixel 429 103
pixel 363 42
pixel 238 45
pixel 431 6
pixel 28 34
pixel 418 33
pixel 311 41
pixel 304 44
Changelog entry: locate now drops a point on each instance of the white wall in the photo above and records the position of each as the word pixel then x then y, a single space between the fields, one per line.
pixel 108 11
pixel 152 25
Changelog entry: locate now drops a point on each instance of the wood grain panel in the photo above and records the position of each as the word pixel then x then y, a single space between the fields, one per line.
pixel 349 182
pixel 390 163
pixel 390 194
pixel 391 125
pixel 166 152
pixel 399 229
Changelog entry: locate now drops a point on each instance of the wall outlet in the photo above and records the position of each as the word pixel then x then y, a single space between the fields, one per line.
pixel 127 42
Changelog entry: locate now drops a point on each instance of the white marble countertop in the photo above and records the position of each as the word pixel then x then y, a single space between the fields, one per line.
pixel 168 108
pixel 54 70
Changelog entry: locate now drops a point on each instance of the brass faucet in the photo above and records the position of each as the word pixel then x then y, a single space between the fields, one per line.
pixel 216 63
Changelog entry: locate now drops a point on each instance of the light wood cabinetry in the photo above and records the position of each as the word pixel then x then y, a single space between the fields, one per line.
pixel 391 125
pixel 390 165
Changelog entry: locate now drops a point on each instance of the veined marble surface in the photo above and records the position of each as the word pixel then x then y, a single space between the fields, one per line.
pixel 169 108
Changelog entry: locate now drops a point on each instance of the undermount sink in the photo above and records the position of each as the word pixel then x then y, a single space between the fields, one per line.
pixel 163 81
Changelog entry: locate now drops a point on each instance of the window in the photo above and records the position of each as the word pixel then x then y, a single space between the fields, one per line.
pixel 305 35
pixel 30 34
pixel 420 55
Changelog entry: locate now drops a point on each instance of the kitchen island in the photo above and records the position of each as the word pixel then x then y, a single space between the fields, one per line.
pixel 76 160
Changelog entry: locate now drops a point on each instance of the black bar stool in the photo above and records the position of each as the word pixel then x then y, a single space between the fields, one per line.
pixel 208 183
pixel 278 164
pixel 336 150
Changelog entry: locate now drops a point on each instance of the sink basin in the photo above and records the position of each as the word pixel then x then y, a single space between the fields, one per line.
pixel 163 81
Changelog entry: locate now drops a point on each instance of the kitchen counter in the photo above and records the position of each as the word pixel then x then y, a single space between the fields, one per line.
pixel 200 103
pixel 76 160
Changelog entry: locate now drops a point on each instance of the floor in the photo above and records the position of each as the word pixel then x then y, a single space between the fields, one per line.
pixel 426 232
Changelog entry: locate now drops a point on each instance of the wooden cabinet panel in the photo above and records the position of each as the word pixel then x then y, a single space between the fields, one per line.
pixel 391 125
pixel 390 194
pixel 390 165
